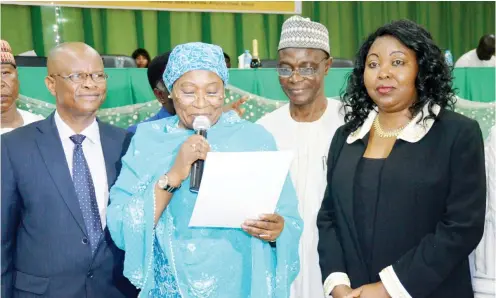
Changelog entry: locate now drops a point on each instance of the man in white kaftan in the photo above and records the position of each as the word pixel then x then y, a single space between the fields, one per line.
pixel 306 126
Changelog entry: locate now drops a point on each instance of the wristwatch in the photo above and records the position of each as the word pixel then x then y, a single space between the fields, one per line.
pixel 163 183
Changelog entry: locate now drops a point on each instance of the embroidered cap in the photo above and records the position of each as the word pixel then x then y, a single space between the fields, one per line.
pixel 6 53
pixel 298 32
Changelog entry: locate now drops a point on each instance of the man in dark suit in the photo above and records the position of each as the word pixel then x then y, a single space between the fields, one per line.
pixel 56 175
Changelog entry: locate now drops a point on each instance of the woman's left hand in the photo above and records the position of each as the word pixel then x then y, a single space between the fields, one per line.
pixel 268 227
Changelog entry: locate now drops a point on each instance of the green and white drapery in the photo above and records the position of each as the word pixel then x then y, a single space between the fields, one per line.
pixel 256 107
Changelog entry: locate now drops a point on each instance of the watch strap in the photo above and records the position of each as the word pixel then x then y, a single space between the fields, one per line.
pixel 169 188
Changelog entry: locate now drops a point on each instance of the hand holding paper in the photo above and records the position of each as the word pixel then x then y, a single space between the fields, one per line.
pixel 237 186
pixel 268 226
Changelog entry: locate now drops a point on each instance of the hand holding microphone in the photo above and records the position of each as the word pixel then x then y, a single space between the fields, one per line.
pixel 191 155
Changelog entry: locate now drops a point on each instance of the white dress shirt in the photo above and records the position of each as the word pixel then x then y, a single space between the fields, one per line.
pixel 92 149
pixel 470 59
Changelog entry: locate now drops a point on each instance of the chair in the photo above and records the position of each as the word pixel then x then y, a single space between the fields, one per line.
pixel 31 61
pixel 267 63
pixel 342 63
pixel 336 62
pixel 118 61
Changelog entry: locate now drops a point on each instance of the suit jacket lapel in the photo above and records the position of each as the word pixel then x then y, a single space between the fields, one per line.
pixel 111 153
pixel 52 152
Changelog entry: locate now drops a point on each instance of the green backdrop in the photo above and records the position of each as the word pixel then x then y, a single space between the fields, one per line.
pixel 454 25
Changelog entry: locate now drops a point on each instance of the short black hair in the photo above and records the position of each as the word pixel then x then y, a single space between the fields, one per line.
pixel 156 69
pixel 141 52
pixel 226 56
pixel 433 82
pixel 485 49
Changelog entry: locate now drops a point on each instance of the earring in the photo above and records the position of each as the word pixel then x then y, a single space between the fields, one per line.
pixel 169 97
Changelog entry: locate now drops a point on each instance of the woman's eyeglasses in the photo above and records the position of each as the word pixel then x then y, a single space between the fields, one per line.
pixel 214 98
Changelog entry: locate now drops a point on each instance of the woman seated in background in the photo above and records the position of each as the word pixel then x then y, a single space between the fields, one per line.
pixel 149 212
pixel 406 194
pixel 141 57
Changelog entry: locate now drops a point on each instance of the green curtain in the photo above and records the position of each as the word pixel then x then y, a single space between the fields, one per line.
pixel 454 25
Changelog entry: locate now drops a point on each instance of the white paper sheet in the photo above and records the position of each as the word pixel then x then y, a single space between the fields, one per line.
pixel 239 185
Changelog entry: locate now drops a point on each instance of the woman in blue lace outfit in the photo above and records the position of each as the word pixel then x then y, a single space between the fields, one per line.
pixel 149 212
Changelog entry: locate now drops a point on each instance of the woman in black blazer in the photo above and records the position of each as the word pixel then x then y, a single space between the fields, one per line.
pixel 405 201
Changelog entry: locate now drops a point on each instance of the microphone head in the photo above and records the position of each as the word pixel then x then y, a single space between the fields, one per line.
pixel 201 123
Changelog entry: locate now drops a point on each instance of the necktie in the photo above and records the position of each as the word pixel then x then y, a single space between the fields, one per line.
pixel 85 191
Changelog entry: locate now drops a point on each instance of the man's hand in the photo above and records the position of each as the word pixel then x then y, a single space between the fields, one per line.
pixel 375 290
pixel 236 106
pixel 341 291
pixel 268 227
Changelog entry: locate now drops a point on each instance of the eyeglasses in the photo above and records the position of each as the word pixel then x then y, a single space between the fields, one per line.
pixel 287 72
pixel 214 98
pixel 80 77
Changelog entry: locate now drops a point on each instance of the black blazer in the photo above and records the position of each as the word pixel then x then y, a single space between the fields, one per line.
pixel 430 212
pixel 44 251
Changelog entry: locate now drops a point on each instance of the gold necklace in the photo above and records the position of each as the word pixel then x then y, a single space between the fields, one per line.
pixel 387 134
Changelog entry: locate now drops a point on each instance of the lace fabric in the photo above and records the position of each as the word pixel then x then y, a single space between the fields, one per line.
pixel 166 285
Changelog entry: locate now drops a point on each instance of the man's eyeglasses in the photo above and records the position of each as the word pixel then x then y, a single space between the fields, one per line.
pixel 8 75
pixel 287 72
pixel 214 98
pixel 80 77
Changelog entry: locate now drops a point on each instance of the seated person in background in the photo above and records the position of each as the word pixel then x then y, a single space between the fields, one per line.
pixel 483 56
pixel 484 269
pixel 12 117
pixel 155 71
pixel 149 212
pixel 141 57
pixel 228 60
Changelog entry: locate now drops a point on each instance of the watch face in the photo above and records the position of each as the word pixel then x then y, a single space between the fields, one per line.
pixel 163 181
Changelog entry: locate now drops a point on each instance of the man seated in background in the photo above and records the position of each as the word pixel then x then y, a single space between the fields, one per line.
pixel 482 56
pixel 12 117
pixel 155 71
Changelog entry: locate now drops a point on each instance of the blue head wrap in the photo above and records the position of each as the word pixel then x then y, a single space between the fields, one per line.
pixel 195 56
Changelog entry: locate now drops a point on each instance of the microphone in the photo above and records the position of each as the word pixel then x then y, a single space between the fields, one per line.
pixel 201 124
